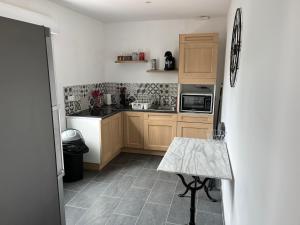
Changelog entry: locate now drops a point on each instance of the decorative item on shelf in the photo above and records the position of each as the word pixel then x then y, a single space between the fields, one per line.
pixel 153 64
pixel 141 56
pixel 235 46
pixel 170 61
pixel 135 56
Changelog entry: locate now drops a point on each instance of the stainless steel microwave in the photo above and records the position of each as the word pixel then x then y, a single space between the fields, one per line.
pixel 196 102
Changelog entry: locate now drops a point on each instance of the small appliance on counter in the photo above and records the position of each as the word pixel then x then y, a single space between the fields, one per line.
pixel 107 99
pixel 170 61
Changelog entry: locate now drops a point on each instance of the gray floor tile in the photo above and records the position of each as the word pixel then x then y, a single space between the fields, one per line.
pixel 73 214
pixel 68 195
pixel 214 193
pixel 153 214
pixel 119 187
pixel 138 193
pixel 208 219
pixel 88 195
pixel 152 173
pixel 100 211
pixel 76 186
pixel 131 206
pixel 180 211
pixel 109 173
pixel 209 206
pixel 118 199
pixel 89 174
pixel 144 182
pixel 162 192
pixel 119 160
pixel 168 176
pixel 152 163
pixel 133 168
pixel 116 219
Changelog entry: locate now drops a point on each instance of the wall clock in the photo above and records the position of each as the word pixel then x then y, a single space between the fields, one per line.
pixel 235 46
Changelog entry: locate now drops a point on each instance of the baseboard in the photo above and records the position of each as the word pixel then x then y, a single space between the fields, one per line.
pixel 91 166
pixel 143 151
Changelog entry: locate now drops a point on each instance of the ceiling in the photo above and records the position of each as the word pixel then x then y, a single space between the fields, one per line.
pixel 136 10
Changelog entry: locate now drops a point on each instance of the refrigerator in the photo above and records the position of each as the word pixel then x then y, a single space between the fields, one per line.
pixel 31 160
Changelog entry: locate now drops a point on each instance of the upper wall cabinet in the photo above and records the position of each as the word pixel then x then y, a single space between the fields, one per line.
pixel 198 54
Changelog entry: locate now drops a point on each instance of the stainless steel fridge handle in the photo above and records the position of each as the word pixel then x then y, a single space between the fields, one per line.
pixel 55 110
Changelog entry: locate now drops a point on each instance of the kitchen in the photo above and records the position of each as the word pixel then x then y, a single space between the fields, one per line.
pixel 131 112
pixel 130 92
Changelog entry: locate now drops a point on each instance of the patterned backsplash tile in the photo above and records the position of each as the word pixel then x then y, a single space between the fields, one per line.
pixel 153 92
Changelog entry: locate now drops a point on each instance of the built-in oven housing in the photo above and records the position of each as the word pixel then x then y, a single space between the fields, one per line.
pixel 196 102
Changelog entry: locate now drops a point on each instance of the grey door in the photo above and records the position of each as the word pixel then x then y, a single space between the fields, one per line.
pixel 28 181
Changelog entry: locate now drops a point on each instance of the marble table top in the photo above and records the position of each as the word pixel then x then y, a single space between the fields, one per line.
pixel 197 157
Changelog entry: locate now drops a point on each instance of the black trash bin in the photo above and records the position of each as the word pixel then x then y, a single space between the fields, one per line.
pixel 74 147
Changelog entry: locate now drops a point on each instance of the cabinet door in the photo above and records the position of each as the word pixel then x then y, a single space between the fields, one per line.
pixel 198 59
pixel 194 130
pixel 106 141
pixel 133 130
pixel 158 135
pixel 117 133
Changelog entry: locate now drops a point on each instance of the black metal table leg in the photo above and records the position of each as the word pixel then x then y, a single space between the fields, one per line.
pixel 208 195
pixel 193 206
pixel 193 189
pixel 187 189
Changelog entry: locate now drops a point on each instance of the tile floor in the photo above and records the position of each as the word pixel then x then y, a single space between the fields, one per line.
pixel 129 191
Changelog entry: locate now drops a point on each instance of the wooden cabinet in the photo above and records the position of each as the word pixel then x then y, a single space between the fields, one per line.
pixel 106 150
pixel 134 129
pixel 195 125
pixel 198 54
pixel 159 130
pixel 111 138
pixel 194 130
pixel 195 118
pixel 117 132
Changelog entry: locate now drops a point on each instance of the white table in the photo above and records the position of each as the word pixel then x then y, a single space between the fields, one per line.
pixel 197 158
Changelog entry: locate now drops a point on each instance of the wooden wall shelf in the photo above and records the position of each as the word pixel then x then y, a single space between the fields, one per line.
pixel 162 71
pixel 132 61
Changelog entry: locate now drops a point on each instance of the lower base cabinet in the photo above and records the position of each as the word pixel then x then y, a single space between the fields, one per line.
pixel 194 130
pixel 158 134
pixel 134 130
pixel 149 132
pixel 111 138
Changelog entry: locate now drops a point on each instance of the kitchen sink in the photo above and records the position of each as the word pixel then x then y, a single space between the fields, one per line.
pixel 162 108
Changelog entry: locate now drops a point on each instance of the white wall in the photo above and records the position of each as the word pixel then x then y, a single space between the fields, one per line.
pixel 261 114
pixel 155 38
pixel 77 48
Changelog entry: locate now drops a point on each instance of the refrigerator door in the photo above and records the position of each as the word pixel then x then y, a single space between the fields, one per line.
pixel 29 189
pixel 51 67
